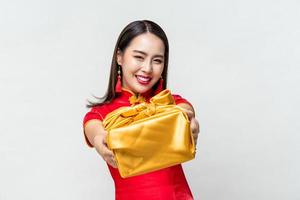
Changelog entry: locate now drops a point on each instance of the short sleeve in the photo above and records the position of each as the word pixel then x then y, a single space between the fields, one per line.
pixel 179 99
pixel 94 113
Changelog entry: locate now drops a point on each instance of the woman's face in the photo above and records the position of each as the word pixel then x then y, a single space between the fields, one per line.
pixel 142 62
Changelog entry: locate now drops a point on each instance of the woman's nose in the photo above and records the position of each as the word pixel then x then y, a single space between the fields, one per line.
pixel 147 67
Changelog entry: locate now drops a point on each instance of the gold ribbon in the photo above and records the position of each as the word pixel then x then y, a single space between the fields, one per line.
pixel 127 115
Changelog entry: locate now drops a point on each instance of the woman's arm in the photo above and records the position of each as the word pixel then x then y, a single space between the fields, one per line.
pixel 96 135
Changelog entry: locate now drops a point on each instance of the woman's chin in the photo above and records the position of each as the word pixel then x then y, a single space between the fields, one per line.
pixel 143 89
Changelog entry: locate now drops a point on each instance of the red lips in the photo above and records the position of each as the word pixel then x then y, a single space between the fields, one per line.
pixel 143 79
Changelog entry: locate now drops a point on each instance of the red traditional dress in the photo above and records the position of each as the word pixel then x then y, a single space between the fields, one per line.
pixel 164 184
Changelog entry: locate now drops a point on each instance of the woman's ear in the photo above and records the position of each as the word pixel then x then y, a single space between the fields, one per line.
pixel 119 57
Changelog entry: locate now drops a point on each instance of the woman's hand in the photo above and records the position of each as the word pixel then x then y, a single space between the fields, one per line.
pixel 103 150
pixel 194 124
pixel 96 135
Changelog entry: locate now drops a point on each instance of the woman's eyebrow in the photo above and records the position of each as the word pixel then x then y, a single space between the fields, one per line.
pixel 144 53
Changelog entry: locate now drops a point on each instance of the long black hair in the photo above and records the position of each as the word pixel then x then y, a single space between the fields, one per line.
pixel 131 31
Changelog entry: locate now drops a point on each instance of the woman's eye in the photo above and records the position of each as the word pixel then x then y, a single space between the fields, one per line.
pixel 158 61
pixel 139 57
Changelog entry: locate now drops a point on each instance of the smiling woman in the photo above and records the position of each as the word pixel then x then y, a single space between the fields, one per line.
pixel 140 66
pixel 138 72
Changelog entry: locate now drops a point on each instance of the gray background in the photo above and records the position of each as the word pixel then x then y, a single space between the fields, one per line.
pixel 236 61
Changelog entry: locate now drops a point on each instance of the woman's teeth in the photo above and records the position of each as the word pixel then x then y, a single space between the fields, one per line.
pixel 142 79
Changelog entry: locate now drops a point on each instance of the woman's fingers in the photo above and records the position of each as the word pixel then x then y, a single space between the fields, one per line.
pixel 105 152
pixel 108 156
pixel 189 113
pixel 194 125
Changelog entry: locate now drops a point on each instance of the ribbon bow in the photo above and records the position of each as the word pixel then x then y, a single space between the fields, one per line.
pixel 128 115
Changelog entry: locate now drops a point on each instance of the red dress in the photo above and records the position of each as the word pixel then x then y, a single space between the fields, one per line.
pixel 165 184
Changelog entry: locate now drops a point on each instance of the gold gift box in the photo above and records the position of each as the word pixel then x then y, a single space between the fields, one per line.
pixel 149 136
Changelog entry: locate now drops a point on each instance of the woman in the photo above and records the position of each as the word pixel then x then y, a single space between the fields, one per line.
pixel 138 71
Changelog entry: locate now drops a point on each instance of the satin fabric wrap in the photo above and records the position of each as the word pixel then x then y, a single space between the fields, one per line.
pixel 149 136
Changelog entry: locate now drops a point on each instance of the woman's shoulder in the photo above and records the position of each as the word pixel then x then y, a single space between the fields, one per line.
pixel 100 111
pixel 97 108
pixel 96 112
